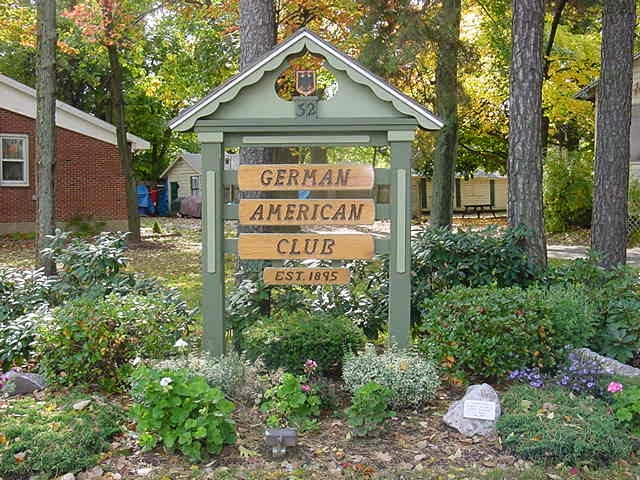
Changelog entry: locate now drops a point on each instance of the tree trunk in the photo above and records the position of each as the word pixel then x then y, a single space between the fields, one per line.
pixel 525 126
pixel 444 159
pixel 117 103
pixel 46 129
pixel 613 123
pixel 257 37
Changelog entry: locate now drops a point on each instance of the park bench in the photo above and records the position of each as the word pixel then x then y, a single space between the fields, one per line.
pixel 478 208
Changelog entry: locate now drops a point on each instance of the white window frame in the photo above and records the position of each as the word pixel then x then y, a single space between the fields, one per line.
pixel 25 161
pixel 191 189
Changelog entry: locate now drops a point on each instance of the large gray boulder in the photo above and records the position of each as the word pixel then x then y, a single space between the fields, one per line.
pixel 609 364
pixel 476 413
pixel 21 383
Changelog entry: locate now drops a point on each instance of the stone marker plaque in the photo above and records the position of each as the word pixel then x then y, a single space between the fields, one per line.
pixel 275 246
pixel 480 410
pixel 305 177
pixel 306 276
pixel 307 212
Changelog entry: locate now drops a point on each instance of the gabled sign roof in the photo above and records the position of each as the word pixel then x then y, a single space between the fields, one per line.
pixel 298 42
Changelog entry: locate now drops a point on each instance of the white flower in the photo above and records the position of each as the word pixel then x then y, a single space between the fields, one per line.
pixel 164 382
pixel 136 361
pixel 180 344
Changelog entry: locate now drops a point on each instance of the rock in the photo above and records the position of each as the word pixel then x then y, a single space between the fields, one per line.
pixel 473 426
pixel 68 476
pixel 610 364
pixel 21 383
pixel 81 405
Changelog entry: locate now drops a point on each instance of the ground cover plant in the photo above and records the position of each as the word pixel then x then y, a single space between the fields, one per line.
pixel 486 332
pixel 369 409
pixel 551 426
pixel 49 437
pixel 181 411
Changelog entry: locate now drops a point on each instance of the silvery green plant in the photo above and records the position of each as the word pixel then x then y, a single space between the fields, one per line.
pixel 412 379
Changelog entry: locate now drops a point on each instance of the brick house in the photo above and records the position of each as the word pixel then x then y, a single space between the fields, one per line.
pixel 89 181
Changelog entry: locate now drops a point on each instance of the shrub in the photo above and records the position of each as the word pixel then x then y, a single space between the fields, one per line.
pixel 225 373
pixel 412 379
pixel 369 409
pixel 568 186
pixel 93 341
pixel 488 332
pixel 18 337
pixel 287 340
pixel 181 411
pixel 23 291
pixel 444 258
pixel 50 438
pixel 292 403
pixel 549 426
pixel 615 297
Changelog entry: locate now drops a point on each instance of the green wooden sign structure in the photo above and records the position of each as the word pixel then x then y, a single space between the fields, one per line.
pixel 246 111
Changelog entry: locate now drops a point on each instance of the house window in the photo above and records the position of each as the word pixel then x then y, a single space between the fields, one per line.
pixel 14 160
pixel 195 185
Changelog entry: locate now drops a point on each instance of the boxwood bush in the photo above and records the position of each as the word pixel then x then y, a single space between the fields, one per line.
pixel 487 332
pixel 92 341
pixel 287 340
pixel 549 426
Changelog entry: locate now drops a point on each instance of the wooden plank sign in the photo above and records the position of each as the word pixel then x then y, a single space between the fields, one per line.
pixel 305 177
pixel 307 212
pixel 306 276
pixel 276 246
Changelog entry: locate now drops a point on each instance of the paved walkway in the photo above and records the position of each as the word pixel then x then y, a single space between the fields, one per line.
pixel 571 252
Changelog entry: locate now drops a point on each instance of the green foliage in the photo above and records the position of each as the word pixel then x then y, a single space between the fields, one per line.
pixel 93 341
pixel 551 426
pixel 181 411
pixel 225 373
pixel 18 337
pixel 443 258
pixel 486 332
pixel 412 379
pixel 615 299
pixel 287 340
pixel 45 439
pixel 369 409
pixel 23 291
pixel 626 407
pixel 568 190
pixel 293 402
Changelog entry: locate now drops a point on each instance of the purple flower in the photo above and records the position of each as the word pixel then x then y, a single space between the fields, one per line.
pixel 305 388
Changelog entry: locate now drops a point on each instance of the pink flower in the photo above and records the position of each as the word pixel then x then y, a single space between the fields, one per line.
pixel 305 388
pixel 310 364
pixel 615 387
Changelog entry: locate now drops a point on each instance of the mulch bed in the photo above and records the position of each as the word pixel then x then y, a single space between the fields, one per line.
pixel 413 441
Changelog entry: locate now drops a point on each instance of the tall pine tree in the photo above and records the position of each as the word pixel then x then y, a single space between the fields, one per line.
pixel 613 123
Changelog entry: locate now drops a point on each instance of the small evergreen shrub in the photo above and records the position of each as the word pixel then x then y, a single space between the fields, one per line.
pixel 550 426
pixel 287 340
pixel 412 379
pixel 93 341
pixel 18 337
pixel 182 412
pixel 23 291
pixel 45 439
pixel 444 258
pixel 487 332
pixel 369 409
pixel 615 299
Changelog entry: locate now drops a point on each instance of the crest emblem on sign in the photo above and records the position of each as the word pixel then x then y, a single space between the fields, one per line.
pixel 305 82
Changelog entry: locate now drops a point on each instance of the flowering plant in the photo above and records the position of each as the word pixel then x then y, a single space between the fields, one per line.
pixel 581 375
pixel 626 405
pixel 293 402
pixel 532 376
pixel 615 387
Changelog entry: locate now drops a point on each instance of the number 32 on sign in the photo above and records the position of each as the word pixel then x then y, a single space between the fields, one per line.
pixel 306 276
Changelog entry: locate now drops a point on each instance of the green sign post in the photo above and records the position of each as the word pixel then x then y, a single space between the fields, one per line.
pixel 246 112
